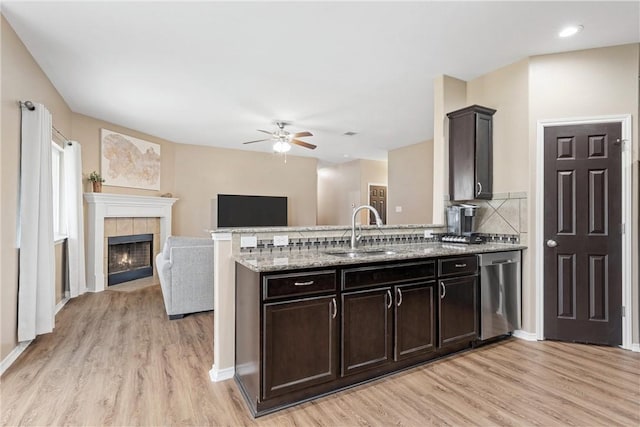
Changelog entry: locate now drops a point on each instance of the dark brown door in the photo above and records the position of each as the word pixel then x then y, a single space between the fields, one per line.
pixel 582 260
pixel 458 310
pixel 415 320
pixel 378 199
pixel 300 345
pixel 366 330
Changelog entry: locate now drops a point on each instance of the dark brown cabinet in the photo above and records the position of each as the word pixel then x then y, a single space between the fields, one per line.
pixel 471 153
pixel 300 344
pixel 304 333
pixel 367 318
pixel 415 320
pixel 458 308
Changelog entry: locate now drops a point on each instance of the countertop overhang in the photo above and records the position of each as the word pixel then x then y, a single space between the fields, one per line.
pixel 285 259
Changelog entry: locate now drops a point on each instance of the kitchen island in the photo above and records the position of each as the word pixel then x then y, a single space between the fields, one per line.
pixel 312 322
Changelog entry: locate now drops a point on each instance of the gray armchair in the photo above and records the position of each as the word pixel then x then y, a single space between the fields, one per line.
pixel 185 270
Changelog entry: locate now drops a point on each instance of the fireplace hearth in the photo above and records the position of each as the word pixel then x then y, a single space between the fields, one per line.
pixel 129 258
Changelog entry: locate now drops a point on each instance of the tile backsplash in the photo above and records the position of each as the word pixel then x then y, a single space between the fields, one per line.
pixel 505 214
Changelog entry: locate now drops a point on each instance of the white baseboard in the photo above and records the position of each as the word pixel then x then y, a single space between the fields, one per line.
pixel 221 374
pixel 524 335
pixel 11 357
pixel 635 347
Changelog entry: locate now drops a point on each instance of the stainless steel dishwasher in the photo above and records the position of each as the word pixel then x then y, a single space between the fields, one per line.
pixel 500 283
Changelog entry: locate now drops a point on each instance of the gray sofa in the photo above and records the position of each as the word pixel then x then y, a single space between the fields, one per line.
pixel 185 270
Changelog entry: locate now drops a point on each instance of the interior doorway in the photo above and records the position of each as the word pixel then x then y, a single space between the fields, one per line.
pixel 378 199
pixel 582 167
pixel 582 233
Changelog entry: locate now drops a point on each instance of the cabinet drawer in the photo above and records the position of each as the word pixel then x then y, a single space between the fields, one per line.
pixel 457 266
pixel 376 275
pixel 295 284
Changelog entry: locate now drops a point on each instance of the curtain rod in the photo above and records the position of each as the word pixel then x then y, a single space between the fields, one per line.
pixel 29 106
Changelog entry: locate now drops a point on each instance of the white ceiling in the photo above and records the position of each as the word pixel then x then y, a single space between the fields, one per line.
pixel 211 73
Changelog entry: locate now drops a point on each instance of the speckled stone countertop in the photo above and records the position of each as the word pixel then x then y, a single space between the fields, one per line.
pixel 297 259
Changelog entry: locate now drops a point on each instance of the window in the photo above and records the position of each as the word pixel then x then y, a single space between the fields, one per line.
pixel 57 175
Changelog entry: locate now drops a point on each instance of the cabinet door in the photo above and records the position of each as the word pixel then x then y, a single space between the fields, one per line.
pixel 415 320
pixel 366 330
pixel 484 156
pixel 300 344
pixel 462 176
pixel 458 310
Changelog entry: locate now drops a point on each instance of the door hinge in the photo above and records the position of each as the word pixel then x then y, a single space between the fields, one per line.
pixel 624 312
pixel 622 228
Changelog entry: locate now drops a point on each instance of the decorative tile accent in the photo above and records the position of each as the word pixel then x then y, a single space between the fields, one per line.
pixel 110 226
pixel 124 226
pixel 498 196
pixel 140 226
pixel 524 213
pixel 518 195
pixel 510 212
pixel 496 203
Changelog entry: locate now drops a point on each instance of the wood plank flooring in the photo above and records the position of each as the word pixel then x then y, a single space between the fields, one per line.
pixel 115 359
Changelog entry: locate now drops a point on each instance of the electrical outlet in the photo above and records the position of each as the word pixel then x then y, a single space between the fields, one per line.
pixel 398 209
pixel 248 241
pixel 428 234
pixel 280 240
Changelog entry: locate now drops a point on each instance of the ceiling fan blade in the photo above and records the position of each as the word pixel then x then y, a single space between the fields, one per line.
pixel 257 140
pixel 265 131
pixel 301 134
pixel 303 144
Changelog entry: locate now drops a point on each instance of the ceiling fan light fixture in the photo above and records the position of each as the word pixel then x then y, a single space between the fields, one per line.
pixel 281 147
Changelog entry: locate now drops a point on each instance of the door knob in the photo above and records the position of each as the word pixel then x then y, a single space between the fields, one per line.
pixel 552 243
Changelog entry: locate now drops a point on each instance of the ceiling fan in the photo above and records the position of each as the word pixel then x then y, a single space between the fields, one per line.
pixel 283 139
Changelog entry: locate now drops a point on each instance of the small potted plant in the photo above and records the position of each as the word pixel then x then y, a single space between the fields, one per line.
pixel 96 180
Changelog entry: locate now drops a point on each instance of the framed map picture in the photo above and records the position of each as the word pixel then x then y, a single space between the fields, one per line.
pixel 129 162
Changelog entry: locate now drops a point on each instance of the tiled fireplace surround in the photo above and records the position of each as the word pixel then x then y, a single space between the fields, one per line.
pixel 110 215
pixel 127 226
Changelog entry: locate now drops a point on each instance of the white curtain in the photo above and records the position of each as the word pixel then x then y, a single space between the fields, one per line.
pixel 75 218
pixel 36 282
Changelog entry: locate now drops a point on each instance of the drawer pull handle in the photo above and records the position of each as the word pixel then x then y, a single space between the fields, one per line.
pixel 335 308
pixel 390 298
pixel 461 265
pixel 310 282
pixel 399 297
pixel 443 290
pixel 479 188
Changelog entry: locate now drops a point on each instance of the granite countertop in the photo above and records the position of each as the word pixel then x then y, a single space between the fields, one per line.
pixel 285 259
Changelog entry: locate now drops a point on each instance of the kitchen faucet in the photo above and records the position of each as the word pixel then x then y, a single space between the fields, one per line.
pixel 354 239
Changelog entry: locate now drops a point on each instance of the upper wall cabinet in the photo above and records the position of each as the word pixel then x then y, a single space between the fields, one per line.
pixel 471 153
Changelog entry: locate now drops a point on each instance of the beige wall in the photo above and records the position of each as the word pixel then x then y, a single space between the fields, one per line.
pixel 345 186
pixel 411 184
pixel 22 79
pixel 339 191
pixel 372 172
pixel 586 83
pixel 507 91
pixel 449 94
pixel 203 172
pixel 86 130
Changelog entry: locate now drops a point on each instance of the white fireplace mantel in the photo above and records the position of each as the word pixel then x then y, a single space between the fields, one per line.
pixel 101 206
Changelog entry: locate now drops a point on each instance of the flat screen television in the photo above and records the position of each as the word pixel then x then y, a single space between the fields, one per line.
pixel 251 211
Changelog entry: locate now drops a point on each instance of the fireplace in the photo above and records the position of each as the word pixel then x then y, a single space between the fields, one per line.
pixel 129 258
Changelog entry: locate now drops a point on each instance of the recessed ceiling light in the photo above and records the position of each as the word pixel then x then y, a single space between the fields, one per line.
pixel 570 31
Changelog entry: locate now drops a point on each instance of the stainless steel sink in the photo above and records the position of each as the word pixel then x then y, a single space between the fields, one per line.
pixel 361 253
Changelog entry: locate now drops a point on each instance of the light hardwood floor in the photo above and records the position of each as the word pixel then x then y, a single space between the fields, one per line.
pixel 115 359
